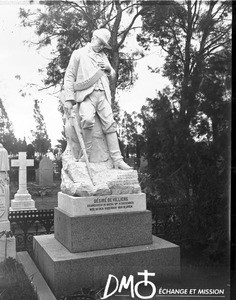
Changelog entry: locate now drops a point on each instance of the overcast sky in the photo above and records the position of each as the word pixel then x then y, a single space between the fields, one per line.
pixel 17 58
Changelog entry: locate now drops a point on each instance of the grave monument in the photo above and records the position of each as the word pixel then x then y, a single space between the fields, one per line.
pixel 22 199
pixel 44 175
pixel 101 226
pixel 7 242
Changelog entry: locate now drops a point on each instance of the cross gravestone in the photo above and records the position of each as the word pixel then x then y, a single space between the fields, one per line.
pixel 45 172
pixel 7 244
pixel 22 199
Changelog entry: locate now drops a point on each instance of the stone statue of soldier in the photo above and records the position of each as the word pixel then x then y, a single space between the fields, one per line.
pixel 86 88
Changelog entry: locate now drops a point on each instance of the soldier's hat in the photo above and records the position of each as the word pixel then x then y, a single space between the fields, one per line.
pixel 104 35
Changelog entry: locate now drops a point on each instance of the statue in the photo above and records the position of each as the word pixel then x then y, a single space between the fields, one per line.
pixel 92 142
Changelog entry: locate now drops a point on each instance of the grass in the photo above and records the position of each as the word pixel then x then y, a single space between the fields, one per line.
pixel 14 283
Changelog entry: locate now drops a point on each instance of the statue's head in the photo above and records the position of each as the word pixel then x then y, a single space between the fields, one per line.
pixel 101 38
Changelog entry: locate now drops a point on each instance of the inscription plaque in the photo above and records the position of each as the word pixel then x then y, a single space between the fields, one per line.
pixel 79 206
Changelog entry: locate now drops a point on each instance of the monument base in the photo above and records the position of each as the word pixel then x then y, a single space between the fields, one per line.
pixel 22 202
pixel 7 247
pixel 67 272
pixel 104 231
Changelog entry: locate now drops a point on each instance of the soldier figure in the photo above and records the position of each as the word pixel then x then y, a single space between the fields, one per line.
pixel 86 83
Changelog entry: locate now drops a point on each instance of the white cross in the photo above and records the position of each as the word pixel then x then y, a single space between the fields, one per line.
pixel 22 163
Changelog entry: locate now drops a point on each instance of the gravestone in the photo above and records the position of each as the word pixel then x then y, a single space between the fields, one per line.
pixel 101 225
pixel 22 199
pixel 45 172
pixel 7 243
pixel 108 231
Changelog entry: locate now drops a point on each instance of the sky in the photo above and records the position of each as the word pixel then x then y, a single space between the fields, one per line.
pixel 19 72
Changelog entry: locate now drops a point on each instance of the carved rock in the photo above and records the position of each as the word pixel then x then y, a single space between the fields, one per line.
pixel 107 180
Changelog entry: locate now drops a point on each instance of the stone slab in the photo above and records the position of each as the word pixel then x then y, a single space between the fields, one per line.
pixel 7 247
pixel 67 272
pixel 37 280
pixel 97 232
pixel 81 206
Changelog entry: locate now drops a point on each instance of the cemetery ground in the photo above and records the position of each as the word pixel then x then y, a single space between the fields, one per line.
pixel 196 271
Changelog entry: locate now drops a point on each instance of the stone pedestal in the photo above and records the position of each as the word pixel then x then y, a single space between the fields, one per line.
pixel 88 245
pixel 22 202
pixel 98 232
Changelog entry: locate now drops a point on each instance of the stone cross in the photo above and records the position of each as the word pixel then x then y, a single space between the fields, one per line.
pixel 22 199
pixel 22 163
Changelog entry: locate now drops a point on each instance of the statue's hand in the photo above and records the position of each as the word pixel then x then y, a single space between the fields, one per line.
pixel 68 107
pixel 104 66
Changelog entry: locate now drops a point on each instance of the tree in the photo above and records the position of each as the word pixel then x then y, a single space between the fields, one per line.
pixel 130 138
pixel 7 137
pixel 71 23
pixel 41 141
pixel 191 33
pixel 186 127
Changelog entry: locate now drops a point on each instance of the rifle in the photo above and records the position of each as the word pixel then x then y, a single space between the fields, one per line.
pixel 75 125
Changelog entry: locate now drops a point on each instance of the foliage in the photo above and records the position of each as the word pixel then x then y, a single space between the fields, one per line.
pixel 41 141
pixel 15 284
pixel 7 136
pixel 191 33
pixel 194 174
pixel 186 127
pixel 69 25
pixel 132 141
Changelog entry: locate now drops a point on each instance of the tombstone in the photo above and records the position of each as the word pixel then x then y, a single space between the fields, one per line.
pixel 102 234
pixel 22 199
pixel 45 172
pixel 101 226
pixel 7 242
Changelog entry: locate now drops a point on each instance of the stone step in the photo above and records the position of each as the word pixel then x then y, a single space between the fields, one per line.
pixel 67 272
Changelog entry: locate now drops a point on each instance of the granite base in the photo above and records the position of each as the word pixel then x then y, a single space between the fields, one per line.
pixel 67 272
pixel 99 232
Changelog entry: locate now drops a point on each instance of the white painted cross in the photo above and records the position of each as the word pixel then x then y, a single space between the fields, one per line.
pixel 22 163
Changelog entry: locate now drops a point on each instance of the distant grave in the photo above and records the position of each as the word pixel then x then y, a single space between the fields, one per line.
pixel 44 174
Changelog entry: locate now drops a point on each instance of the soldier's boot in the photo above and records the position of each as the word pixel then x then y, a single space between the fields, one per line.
pixel 114 149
